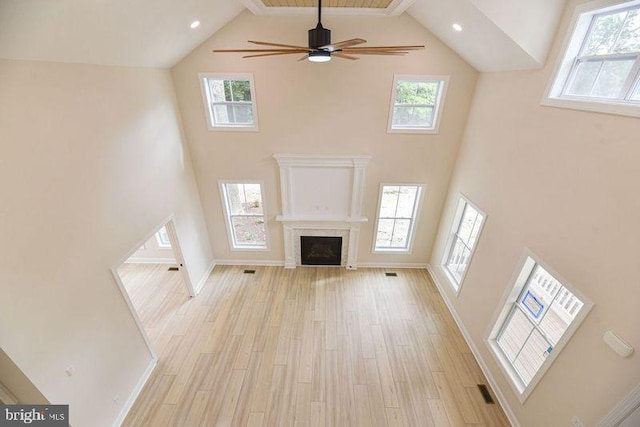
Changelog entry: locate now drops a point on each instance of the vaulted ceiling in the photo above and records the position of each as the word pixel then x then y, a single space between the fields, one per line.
pixel 496 35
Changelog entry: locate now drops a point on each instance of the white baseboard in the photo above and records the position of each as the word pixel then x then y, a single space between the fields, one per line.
pixel 136 392
pixel 204 277
pixel 623 409
pixel 150 261
pixel 483 366
pixel 250 262
pixel 392 265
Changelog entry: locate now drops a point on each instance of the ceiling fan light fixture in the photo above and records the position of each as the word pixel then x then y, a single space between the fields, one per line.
pixel 319 56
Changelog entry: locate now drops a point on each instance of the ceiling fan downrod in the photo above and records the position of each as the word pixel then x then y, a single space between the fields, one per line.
pixel 319 36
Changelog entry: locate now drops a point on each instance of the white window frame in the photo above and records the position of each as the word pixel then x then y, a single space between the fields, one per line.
pixel 227 217
pixel 579 28
pixel 453 235
pixel 438 107
pixel 524 269
pixel 161 243
pixel 417 208
pixel 207 100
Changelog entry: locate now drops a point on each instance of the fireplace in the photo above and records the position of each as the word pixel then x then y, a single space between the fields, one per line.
pixel 320 250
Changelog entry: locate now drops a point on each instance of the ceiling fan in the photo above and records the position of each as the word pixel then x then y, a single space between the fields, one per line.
pixel 320 47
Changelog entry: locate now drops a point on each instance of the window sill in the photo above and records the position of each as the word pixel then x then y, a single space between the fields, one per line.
pixel 413 130
pixel 402 251
pixel 454 285
pixel 617 108
pixel 234 128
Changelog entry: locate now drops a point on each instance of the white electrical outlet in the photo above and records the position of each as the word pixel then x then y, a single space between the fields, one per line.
pixel 576 422
pixel 116 399
pixel 70 371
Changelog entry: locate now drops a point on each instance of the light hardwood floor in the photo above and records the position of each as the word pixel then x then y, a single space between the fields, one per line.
pixel 311 347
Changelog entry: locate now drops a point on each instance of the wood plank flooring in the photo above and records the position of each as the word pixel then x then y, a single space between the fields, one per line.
pixel 312 347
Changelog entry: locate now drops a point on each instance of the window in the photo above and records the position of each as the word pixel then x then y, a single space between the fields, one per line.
pixel 162 237
pixel 540 315
pixel 467 225
pixel 243 207
pixel 601 68
pixel 397 213
pixel 230 101
pixel 416 103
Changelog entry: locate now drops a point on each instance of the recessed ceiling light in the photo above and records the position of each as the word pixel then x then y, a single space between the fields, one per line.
pixel 195 24
pixel 457 27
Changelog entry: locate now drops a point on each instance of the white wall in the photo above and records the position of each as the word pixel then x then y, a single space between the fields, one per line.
pixel 340 107
pixel 564 184
pixel 92 161
pixel 151 253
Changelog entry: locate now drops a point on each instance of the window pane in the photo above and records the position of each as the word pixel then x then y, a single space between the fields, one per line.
pixel 385 229
pixel 408 92
pixel 223 114
pixel 629 39
pixel 249 230
pixel 412 117
pixel 515 333
pixel 612 77
pixel 401 233
pixel 583 78
pixel 635 96
pixel 162 237
pixel 604 33
pixel 243 114
pixel 406 201
pixel 389 201
pixel 240 90
pixel 458 259
pixel 253 199
pixel 217 90
pixel 468 225
pixel 532 356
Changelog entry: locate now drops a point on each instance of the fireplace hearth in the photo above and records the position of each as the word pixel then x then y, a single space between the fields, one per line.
pixel 320 250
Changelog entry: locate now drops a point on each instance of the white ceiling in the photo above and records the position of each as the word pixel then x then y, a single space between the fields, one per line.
pixel 497 35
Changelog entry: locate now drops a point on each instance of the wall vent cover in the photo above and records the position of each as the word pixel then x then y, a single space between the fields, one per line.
pixel 249 272
pixel 173 269
pixel 391 274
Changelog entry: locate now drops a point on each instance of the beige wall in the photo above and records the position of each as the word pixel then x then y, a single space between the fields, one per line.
pixel 92 161
pixel 564 184
pixel 336 108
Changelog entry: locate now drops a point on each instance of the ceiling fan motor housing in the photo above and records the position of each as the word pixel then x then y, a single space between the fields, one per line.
pixel 319 36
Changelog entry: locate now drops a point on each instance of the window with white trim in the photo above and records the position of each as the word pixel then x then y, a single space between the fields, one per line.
pixel 467 225
pixel 245 216
pixel 600 70
pixel 162 238
pixel 416 103
pixel 397 212
pixel 230 101
pixel 540 315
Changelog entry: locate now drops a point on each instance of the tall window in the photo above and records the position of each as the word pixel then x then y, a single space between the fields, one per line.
pixel 162 237
pixel 397 212
pixel 535 324
pixel 229 101
pixel 416 103
pixel 467 225
pixel 602 62
pixel 245 215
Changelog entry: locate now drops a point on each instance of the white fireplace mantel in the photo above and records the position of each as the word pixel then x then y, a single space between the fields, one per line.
pixel 321 196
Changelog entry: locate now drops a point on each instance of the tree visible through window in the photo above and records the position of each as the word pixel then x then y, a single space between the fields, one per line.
pixel 245 214
pixel 230 101
pixel 415 103
pixel 396 216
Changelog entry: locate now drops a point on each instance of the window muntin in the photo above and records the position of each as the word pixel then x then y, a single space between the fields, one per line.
pixel 416 103
pixel 230 101
pixel 396 217
pixel 540 316
pixel 245 215
pixel 466 228
pixel 601 66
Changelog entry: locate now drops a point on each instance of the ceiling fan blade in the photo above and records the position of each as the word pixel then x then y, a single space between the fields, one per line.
pixel 413 47
pixel 304 58
pixel 342 55
pixel 274 53
pixel 257 50
pixel 281 45
pixel 378 52
pixel 339 45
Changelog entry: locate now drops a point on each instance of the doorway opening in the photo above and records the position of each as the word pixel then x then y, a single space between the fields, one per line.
pixel 155 284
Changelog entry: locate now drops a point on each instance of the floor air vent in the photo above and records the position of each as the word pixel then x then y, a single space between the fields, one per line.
pixel 249 272
pixel 173 269
pixel 391 274
pixel 485 394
